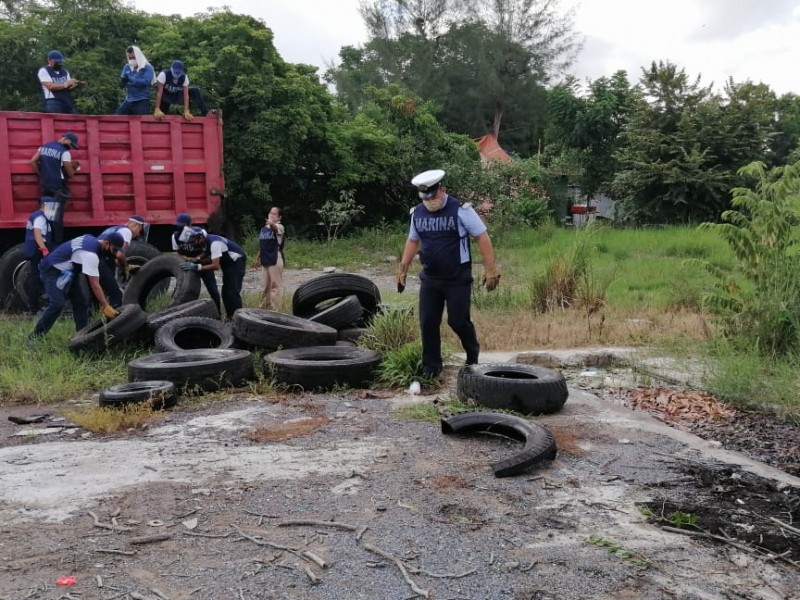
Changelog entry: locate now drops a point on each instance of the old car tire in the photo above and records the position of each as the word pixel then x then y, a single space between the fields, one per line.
pixel 192 333
pixel 100 334
pixel 342 313
pixel 210 369
pixel 351 334
pixel 11 265
pixel 539 442
pixel 308 296
pixel 526 389
pixel 138 254
pixel 203 307
pixel 272 330
pixel 161 393
pixel 150 279
pixel 322 367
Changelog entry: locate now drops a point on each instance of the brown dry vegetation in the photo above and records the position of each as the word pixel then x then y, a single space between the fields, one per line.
pixel 287 430
pixel 572 329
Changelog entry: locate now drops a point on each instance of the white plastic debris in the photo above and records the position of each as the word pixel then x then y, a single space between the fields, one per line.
pixel 414 389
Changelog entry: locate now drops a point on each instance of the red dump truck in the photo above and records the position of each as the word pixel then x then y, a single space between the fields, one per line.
pixel 129 165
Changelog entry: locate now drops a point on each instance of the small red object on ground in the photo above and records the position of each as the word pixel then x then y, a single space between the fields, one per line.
pixel 66 580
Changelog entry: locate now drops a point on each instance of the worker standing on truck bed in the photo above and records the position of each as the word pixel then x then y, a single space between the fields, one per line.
pixel 137 77
pixel 108 262
pixel 57 85
pixel 54 165
pixel 182 243
pixel 38 242
pixel 172 87
pixel 60 271
pixel 225 255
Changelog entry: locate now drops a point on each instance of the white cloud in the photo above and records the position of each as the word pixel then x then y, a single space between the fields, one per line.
pixel 717 39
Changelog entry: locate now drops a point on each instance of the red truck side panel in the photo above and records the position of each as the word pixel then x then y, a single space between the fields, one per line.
pixel 129 165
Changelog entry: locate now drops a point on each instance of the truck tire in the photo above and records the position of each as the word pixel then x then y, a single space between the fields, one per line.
pixel 351 334
pixel 322 367
pixel 209 370
pixel 11 265
pixel 101 335
pixel 273 330
pixel 160 393
pixel 193 333
pixel 138 254
pixel 341 314
pixel 308 296
pixel 539 442
pixel 143 287
pixel 526 389
pixel 203 307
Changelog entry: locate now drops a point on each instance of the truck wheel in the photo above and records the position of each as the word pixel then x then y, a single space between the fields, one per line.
pixel 272 330
pixel 539 442
pixel 211 369
pixel 525 389
pixel 203 307
pixel 160 393
pixel 308 296
pixel 192 333
pixel 11 265
pixel 101 335
pixel 143 288
pixel 138 254
pixel 342 313
pixel 322 367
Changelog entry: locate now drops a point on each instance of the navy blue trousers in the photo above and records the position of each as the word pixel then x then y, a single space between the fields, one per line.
pixel 456 295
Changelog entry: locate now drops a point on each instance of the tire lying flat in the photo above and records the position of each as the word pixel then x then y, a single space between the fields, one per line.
pixel 204 307
pixel 526 389
pixel 540 445
pixel 271 330
pixel 99 335
pixel 208 370
pixel 323 367
pixel 160 393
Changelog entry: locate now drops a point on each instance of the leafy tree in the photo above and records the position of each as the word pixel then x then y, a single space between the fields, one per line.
pixel 759 303
pixel 786 130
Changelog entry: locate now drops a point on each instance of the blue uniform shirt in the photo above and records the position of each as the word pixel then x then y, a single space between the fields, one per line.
pixel 51 159
pixel 36 220
pixel 139 83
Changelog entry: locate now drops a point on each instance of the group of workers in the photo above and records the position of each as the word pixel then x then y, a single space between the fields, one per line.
pixel 137 78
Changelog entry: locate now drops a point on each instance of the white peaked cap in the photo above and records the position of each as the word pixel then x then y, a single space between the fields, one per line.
pixel 428 179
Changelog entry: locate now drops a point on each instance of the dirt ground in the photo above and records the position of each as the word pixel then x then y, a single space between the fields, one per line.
pixel 336 496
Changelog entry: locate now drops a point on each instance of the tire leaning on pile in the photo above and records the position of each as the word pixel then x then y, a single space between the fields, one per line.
pixel 100 334
pixel 308 297
pixel 11 270
pixel 150 280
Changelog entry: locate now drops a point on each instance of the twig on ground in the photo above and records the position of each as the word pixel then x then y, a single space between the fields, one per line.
pixel 311 575
pixel 786 526
pixel 400 565
pixel 159 593
pixel 112 551
pixel 310 523
pixel 150 539
pixel 207 535
pixel 260 516
pixel 97 523
pixel 441 575
pixel 319 561
pixel 360 533
pixel 704 534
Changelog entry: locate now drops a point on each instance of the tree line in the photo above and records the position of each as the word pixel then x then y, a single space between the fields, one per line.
pixel 432 76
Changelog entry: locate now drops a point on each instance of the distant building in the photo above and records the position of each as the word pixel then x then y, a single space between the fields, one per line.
pixel 490 150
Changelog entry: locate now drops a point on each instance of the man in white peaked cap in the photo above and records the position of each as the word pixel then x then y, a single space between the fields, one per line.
pixel 442 225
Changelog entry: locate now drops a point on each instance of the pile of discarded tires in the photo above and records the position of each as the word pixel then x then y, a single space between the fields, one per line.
pixel 196 351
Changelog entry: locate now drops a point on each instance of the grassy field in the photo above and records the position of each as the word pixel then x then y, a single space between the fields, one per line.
pixel 614 287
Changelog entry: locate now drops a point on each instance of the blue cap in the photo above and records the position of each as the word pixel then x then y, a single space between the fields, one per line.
pixel 73 139
pixel 55 55
pixel 183 220
pixel 116 240
pixel 177 68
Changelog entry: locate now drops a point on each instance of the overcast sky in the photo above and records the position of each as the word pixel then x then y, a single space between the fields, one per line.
pixel 745 39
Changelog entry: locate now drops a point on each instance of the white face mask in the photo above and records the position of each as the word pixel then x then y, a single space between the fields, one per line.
pixel 132 63
pixel 433 205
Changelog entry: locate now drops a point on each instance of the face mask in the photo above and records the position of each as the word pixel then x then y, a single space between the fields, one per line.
pixel 433 205
pixel 132 64
pixel 57 66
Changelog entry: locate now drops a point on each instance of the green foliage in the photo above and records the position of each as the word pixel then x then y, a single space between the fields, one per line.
pixel 400 366
pixel 393 328
pixel 618 550
pixel 681 519
pixel 758 304
pixel 559 286
pixel 337 215
pixel 430 413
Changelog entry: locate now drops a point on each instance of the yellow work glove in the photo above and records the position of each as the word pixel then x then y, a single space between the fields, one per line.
pixel 109 312
pixel 187 115
pixel 491 278
pixel 402 273
pixel 158 115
